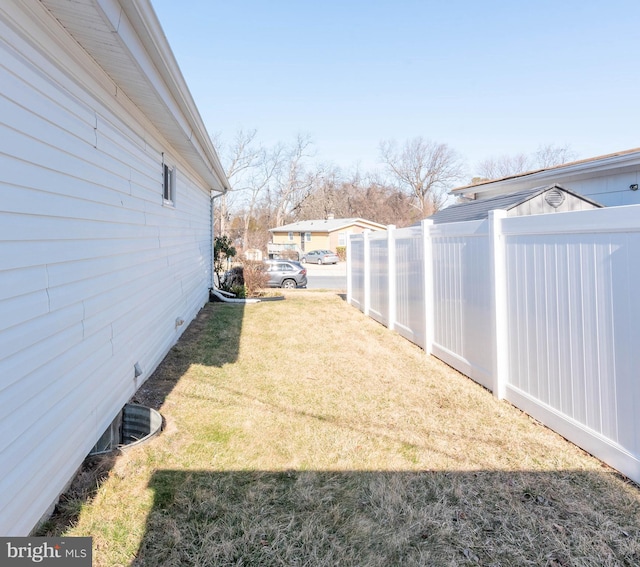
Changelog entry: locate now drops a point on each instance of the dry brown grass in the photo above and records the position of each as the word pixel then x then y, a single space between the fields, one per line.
pixel 300 432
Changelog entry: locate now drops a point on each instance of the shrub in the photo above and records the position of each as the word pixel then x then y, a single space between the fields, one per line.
pixel 240 291
pixel 289 255
pixel 223 252
pixel 234 277
pixel 341 251
pixel 255 277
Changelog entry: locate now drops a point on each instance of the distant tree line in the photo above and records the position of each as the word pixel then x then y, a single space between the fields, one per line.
pixel 271 186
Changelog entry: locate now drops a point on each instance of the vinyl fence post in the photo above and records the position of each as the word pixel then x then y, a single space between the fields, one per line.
pixel 427 261
pixel 499 284
pixel 367 271
pixel 349 268
pixel 391 278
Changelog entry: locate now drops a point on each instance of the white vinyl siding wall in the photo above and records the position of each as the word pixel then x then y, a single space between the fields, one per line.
pixel 94 270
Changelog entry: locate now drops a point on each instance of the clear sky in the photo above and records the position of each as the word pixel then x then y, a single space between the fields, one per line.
pixel 487 78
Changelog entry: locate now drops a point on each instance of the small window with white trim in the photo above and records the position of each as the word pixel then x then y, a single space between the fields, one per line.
pixel 291 237
pixel 168 184
pixel 307 237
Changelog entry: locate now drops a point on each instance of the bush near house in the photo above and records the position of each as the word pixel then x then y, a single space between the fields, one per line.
pixel 246 280
pixel 240 291
pixel 341 251
pixel 223 253
pixel 255 277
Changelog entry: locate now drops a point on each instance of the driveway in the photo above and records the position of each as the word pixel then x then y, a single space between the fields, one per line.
pixel 330 276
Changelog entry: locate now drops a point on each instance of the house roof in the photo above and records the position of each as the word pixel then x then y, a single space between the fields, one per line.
pixel 326 225
pixel 479 209
pixel 576 170
pixel 125 38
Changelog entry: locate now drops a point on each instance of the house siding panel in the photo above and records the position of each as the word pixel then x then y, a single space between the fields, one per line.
pixel 94 270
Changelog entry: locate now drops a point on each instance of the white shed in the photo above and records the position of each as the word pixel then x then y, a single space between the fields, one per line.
pixel 107 176
pixel 536 201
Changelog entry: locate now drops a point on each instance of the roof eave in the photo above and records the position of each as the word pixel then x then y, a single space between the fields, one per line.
pixel 579 169
pixel 144 19
pixel 141 64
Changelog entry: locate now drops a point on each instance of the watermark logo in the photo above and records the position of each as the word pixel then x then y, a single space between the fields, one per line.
pixel 45 551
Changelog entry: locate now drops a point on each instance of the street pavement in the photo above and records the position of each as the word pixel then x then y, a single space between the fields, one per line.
pixel 330 276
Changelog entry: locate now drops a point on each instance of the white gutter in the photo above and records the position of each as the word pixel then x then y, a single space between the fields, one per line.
pixel 620 162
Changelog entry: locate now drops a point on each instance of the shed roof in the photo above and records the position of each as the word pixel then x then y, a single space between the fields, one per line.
pixel 326 225
pixel 479 209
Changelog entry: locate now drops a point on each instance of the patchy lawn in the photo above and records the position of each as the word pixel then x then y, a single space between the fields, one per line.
pixel 300 432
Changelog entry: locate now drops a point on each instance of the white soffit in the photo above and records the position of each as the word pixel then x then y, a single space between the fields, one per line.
pixel 125 38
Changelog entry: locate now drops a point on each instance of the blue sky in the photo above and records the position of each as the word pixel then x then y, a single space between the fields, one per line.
pixel 487 78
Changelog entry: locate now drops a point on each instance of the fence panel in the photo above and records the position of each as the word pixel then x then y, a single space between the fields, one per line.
pixel 560 289
pixel 572 324
pixel 410 320
pixel 356 267
pixel 462 298
pixel 379 277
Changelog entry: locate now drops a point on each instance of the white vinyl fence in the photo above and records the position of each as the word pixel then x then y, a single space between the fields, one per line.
pixel 539 309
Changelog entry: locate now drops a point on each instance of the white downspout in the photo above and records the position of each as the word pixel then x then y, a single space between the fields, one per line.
pixel 214 195
pixel 222 296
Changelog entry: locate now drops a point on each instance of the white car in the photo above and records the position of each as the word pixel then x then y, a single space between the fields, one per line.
pixel 320 257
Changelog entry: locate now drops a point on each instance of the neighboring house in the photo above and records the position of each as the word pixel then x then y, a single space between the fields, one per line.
pixel 611 180
pixel 321 234
pixel 108 178
pixel 540 200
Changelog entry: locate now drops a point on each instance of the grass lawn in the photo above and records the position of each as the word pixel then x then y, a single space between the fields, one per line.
pixel 300 432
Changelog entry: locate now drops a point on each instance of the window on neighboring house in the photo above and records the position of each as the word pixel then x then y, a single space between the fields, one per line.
pixel 342 239
pixel 169 184
pixel 291 236
pixel 307 237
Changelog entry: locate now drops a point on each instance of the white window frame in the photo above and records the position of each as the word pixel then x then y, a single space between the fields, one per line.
pixel 168 184
pixel 307 237
pixel 290 236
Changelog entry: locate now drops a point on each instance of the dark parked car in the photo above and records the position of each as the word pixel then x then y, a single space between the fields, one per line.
pixel 320 257
pixel 286 273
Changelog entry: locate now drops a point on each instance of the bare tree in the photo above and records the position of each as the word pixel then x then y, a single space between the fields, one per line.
pixel 550 156
pixel 291 181
pixel 241 156
pixel 266 166
pixel 326 196
pixel 509 165
pixel 424 169
pixel 503 166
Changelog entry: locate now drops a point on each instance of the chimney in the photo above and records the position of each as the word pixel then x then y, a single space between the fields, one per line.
pixel 330 216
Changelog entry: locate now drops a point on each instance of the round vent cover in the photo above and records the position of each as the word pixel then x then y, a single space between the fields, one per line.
pixel 554 198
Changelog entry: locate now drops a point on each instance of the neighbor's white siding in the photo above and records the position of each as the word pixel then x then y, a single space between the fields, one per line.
pixel 608 185
pixel 611 190
pixel 94 270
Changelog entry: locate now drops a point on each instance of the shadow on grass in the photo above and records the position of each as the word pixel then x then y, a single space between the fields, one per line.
pixel 328 518
pixel 198 344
